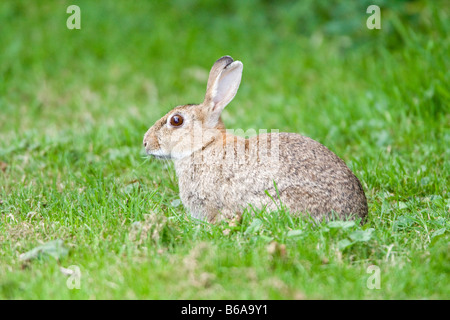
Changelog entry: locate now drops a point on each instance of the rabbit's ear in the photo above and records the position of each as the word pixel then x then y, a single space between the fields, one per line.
pixel 223 83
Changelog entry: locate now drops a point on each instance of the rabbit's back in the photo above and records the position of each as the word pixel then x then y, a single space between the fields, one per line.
pixel 302 173
pixel 313 179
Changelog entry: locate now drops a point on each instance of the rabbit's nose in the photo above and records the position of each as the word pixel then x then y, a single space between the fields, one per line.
pixel 145 143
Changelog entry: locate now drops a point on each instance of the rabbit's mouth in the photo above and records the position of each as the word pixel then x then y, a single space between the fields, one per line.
pixel 159 155
pixel 162 157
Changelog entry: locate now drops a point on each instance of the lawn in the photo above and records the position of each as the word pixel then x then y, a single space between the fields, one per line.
pixel 84 214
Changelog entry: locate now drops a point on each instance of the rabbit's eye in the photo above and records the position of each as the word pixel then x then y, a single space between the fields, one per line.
pixel 176 120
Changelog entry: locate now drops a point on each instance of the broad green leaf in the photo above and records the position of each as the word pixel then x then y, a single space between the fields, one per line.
pixel 294 233
pixel 403 222
pixel 402 205
pixel 254 226
pixel 266 239
pixel 438 232
pixel 344 244
pixel 54 248
pixel 341 224
pixel 361 235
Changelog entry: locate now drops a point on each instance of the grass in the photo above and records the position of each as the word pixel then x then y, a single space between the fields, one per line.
pixel 76 103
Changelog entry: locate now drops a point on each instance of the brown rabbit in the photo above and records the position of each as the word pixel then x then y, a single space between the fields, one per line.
pixel 220 174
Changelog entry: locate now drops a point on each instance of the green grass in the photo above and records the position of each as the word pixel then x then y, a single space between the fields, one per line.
pixel 75 104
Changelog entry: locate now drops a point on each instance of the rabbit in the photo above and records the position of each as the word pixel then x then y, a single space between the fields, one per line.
pixel 221 174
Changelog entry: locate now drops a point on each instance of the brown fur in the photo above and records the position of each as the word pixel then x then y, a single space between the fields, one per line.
pixel 221 174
